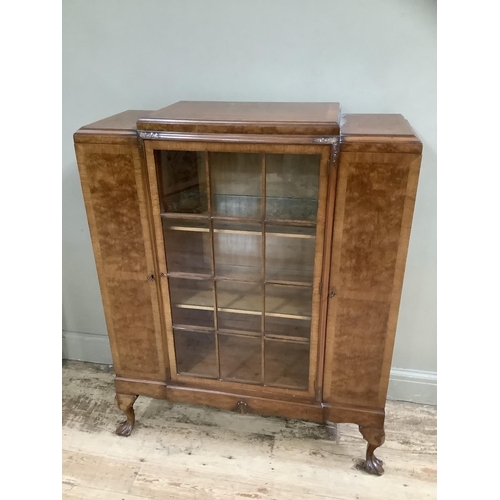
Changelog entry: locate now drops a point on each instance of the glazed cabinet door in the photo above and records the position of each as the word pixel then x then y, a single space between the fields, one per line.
pixel 239 235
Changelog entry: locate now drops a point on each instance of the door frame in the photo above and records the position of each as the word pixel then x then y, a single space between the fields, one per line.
pixel 327 151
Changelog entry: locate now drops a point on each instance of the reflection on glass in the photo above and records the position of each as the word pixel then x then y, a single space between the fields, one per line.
pixel 187 246
pixel 236 184
pixel 288 311
pixel 182 181
pixel 192 302
pixel 238 250
pixel 292 186
pixel 239 306
pixel 195 353
pixel 240 358
pixel 286 364
pixel 290 253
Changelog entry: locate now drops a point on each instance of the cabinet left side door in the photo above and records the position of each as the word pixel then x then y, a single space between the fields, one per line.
pixel 115 199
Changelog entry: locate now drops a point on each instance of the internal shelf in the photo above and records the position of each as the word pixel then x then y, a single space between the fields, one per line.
pixel 283 232
pixel 243 333
pixel 246 304
pixel 253 275
pixel 224 205
pixel 239 207
pixel 250 274
pixel 291 208
pixel 189 201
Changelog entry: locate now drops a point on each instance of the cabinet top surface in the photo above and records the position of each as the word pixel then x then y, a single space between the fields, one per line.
pixel 313 119
pixel 126 121
pixel 245 117
pixel 376 125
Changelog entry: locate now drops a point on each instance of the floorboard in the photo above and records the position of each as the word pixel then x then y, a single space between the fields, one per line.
pixel 186 452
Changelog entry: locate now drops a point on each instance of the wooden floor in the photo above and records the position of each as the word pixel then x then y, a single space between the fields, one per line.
pixel 187 452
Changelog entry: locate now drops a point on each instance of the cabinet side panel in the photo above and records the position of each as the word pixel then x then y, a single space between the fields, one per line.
pixel 113 190
pixel 374 206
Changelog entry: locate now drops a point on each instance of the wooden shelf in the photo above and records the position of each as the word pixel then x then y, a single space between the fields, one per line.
pixel 245 276
pixel 248 304
pixel 250 274
pixel 242 333
pixel 285 232
pixel 242 220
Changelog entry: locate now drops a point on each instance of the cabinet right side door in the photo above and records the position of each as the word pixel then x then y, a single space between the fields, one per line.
pixel 373 213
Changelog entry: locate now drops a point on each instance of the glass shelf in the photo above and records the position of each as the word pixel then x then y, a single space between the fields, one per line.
pixel 292 186
pixel 182 181
pixel 189 201
pixel 298 211
pixel 236 184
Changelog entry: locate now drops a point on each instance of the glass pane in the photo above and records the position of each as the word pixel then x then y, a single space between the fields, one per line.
pixel 236 184
pixel 192 302
pixel 240 358
pixel 187 245
pixel 182 181
pixel 195 353
pixel 286 364
pixel 238 250
pixel 239 306
pixel 288 311
pixel 292 186
pixel 290 253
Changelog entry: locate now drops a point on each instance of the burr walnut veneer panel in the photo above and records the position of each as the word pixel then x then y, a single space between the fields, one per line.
pixel 375 197
pixel 114 197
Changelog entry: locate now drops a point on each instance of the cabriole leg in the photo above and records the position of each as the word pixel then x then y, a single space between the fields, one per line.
pixel 375 438
pixel 125 403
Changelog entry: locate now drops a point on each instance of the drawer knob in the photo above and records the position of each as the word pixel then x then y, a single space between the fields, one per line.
pixel 151 277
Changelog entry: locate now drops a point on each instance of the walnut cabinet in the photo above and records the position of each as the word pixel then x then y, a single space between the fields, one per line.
pixel 251 255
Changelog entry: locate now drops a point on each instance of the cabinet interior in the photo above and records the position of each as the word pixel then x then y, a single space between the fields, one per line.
pixel 240 233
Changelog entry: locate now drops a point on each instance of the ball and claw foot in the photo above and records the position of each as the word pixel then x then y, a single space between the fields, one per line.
pixel 125 403
pixel 375 438
pixel 373 465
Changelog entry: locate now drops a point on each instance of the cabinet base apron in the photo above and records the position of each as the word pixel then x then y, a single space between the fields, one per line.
pixel 370 421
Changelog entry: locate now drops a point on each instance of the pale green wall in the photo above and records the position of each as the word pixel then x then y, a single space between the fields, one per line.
pixel 371 56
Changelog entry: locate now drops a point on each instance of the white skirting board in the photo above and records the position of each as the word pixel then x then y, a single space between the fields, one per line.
pixel 86 347
pixel 405 385
pixel 416 386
